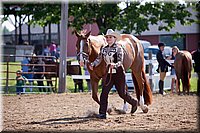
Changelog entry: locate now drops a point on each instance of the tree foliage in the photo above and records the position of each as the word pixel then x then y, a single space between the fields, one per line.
pixel 134 17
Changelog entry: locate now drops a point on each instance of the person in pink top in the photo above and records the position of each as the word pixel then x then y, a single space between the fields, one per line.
pixel 52 49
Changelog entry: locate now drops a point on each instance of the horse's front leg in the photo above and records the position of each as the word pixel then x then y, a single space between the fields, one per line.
pixel 94 84
pixel 178 86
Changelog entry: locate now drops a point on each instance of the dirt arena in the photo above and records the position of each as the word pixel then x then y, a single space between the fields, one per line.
pixel 69 113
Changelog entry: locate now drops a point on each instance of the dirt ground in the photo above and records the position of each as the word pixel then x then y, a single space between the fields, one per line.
pixel 70 111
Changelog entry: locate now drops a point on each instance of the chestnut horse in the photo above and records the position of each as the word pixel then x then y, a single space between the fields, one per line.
pixel 183 68
pixel 88 47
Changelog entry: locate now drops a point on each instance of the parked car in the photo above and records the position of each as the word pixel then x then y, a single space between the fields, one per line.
pixel 145 44
pixel 154 49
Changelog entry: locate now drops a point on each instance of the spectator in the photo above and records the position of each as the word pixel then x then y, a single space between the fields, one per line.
pixel 26 68
pixel 20 81
pixel 39 77
pixel 196 58
pixel 52 49
pixel 175 50
pixel 58 52
pixel 46 51
pixel 162 66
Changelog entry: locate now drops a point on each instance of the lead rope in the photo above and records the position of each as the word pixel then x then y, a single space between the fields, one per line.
pixel 110 77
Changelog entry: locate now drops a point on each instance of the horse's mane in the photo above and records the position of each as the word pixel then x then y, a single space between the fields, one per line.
pixel 97 40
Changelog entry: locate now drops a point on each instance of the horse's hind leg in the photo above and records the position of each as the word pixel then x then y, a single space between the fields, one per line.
pixel 139 82
pixel 125 106
pixel 184 89
pixel 49 83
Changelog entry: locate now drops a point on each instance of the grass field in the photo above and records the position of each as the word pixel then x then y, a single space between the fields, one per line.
pixel 14 66
pixel 69 82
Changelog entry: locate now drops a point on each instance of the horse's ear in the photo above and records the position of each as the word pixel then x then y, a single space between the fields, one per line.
pixel 87 35
pixel 77 34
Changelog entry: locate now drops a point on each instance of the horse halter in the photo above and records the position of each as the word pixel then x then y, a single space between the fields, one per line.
pixel 82 56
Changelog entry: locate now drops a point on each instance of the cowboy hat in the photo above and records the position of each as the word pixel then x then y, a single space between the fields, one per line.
pixel 110 32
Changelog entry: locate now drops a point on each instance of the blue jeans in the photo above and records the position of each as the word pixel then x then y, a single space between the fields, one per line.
pixel 19 90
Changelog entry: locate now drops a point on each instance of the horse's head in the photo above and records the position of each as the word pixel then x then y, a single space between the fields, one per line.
pixel 83 48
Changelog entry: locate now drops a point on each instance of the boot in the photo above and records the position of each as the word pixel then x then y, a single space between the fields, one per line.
pixel 161 85
pixel 101 116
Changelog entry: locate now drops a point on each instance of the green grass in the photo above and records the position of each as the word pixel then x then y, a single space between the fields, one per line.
pixel 69 81
pixel 11 83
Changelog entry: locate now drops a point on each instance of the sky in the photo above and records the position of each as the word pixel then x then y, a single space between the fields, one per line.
pixel 8 23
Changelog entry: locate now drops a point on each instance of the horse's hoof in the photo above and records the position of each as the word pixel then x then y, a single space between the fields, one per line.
pixel 145 109
pixel 134 108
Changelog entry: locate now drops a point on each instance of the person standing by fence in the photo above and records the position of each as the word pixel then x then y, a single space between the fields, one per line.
pixel 162 66
pixel 20 81
pixel 52 48
pixel 39 77
pixel 175 50
pixel 58 52
pixel 196 58
pixel 46 51
pixel 26 68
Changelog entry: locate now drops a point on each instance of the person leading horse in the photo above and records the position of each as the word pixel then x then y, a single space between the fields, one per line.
pixel 88 48
pixel 113 55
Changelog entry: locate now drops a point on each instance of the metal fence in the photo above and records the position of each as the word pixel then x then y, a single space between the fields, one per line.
pixel 8 73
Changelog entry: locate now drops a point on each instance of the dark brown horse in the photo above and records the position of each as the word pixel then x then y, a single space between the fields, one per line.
pixel 53 67
pixel 71 70
pixel 183 68
pixel 88 48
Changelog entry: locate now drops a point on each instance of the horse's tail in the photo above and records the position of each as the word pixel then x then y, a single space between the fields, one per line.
pixel 186 72
pixel 147 90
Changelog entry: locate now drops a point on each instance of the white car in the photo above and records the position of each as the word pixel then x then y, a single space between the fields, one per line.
pixel 145 44
pixel 155 49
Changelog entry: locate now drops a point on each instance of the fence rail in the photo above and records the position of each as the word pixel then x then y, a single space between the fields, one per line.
pixel 7 64
pixel 153 77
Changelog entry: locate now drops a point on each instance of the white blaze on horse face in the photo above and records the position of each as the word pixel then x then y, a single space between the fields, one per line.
pixel 81 53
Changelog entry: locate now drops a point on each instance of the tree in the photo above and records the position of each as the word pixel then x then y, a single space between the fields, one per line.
pixel 137 17
pixel 134 17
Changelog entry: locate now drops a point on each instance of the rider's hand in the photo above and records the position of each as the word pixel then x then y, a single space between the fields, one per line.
pixel 112 65
pixel 91 67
